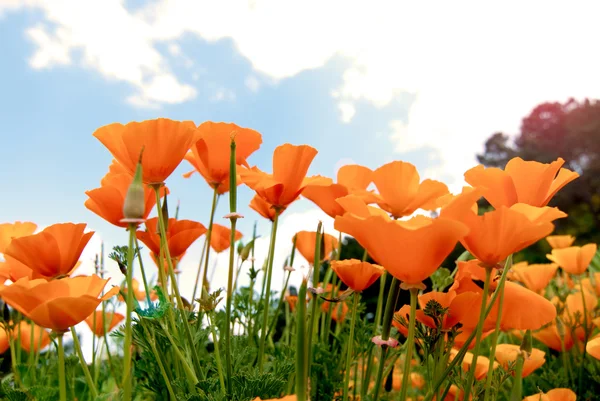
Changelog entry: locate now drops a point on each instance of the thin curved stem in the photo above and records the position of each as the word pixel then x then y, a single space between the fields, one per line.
pixel 409 342
pixel 206 254
pixel 350 347
pixel 84 366
pixel 62 382
pixel 126 383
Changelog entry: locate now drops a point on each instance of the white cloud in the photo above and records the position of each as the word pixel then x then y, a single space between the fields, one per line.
pixel 223 95
pixel 252 83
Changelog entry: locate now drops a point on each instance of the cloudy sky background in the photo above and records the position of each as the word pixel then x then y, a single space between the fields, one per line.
pixel 363 82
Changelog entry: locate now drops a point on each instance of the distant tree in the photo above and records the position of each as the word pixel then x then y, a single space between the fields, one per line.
pixel 570 130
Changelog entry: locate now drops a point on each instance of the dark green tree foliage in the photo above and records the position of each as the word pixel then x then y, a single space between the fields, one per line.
pixel 570 130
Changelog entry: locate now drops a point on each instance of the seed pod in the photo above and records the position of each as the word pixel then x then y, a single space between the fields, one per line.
pixel 134 207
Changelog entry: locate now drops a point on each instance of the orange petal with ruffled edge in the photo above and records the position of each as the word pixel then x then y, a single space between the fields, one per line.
pixel 574 259
pixel 220 238
pixel 306 241
pixel 40 339
pixel 506 353
pixel 52 252
pixel 325 197
pixel 262 207
pixel 101 325
pixel 18 229
pixel 593 347
pixel 356 274
pixel 355 204
pixel 560 241
pixel 481 368
pixel 536 277
pixel 496 185
pixel 354 176
pixel 552 339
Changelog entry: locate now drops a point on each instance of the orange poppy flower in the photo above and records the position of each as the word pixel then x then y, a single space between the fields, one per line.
pixel 220 238
pixel 108 200
pixel 587 283
pixel 593 347
pixel 482 364
pixel 506 353
pixel 139 294
pixel 181 234
pixel 403 312
pixel 356 205
pixel 499 233
pixel 575 314
pixel 165 143
pixel 351 179
pixel 356 274
pixel 560 241
pixel 13 269
pixel 40 339
pixel 401 192
pixel 458 306
pixel 210 154
pixel 263 208
pixel 340 310
pixel 574 259
pixel 290 165
pixel 551 338
pixel 53 252
pixel 292 300
pixel 417 381
pixel 306 241
pixel 470 278
pixel 96 323
pixel 464 334
pixel 536 277
pixel 57 304
pixel 4 341
pixel 425 242
pixel 8 231
pixel 521 181
pixel 558 394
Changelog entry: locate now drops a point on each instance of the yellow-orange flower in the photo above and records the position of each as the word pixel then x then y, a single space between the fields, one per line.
pixel 220 238
pixel 165 143
pixel 140 295
pixel 521 181
pixel 425 242
pixel 53 252
pixel 108 200
pixel 338 312
pixel 506 353
pixel 401 192
pixel 574 259
pixel 499 233
pixel 262 207
pixel 551 338
pixel 290 165
pixel 458 306
pixel 4 340
pixel 482 364
pixel 557 394
pixel 99 326
pixel 13 269
pixel 181 234
pixel 40 339
pixel 593 347
pixel 210 154
pixel 8 231
pixel 356 274
pixel 306 241
pixel 560 241
pixel 57 304
pixel 351 179
pixel 535 277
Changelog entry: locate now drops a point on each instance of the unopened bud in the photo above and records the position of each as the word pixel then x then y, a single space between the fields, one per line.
pixel 527 343
pixel 134 207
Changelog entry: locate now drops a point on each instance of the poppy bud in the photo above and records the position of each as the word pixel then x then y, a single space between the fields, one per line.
pixel 134 206
pixel 527 343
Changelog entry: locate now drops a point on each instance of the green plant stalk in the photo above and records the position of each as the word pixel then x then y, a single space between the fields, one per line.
pixel 516 393
pixel 126 383
pixel 463 350
pixel 189 373
pixel 13 358
pixel 267 291
pixel 94 343
pixel 279 305
pixel 105 336
pixel 315 299
pixel 410 342
pixel 139 257
pixel 488 379
pixel 385 331
pixel 585 340
pixel 350 347
pixel 205 255
pixel 376 323
pixel 165 247
pixel 217 352
pixel 301 349
pixel 161 367
pixel 62 382
pixel 441 358
pixel 84 366
pixel 479 330
pixel 251 287
pixel 228 321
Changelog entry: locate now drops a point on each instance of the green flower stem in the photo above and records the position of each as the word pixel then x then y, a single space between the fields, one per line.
pixel 126 383
pixel 189 373
pixel 350 347
pixel 251 287
pixel 230 294
pixel 165 247
pixel 62 382
pixel 279 305
pixel 479 330
pixel 516 393
pixel 315 299
pixel 206 254
pixel 585 340
pixel 158 358
pixel 94 342
pixel 463 350
pixel 410 342
pixel 376 323
pixel 301 349
pixel 267 292
pixel 139 258
pixel 386 327
pixel 13 357
pixel 488 380
pixel 217 352
pixel 84 366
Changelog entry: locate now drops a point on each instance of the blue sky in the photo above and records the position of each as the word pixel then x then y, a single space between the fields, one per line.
pixel 369 85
